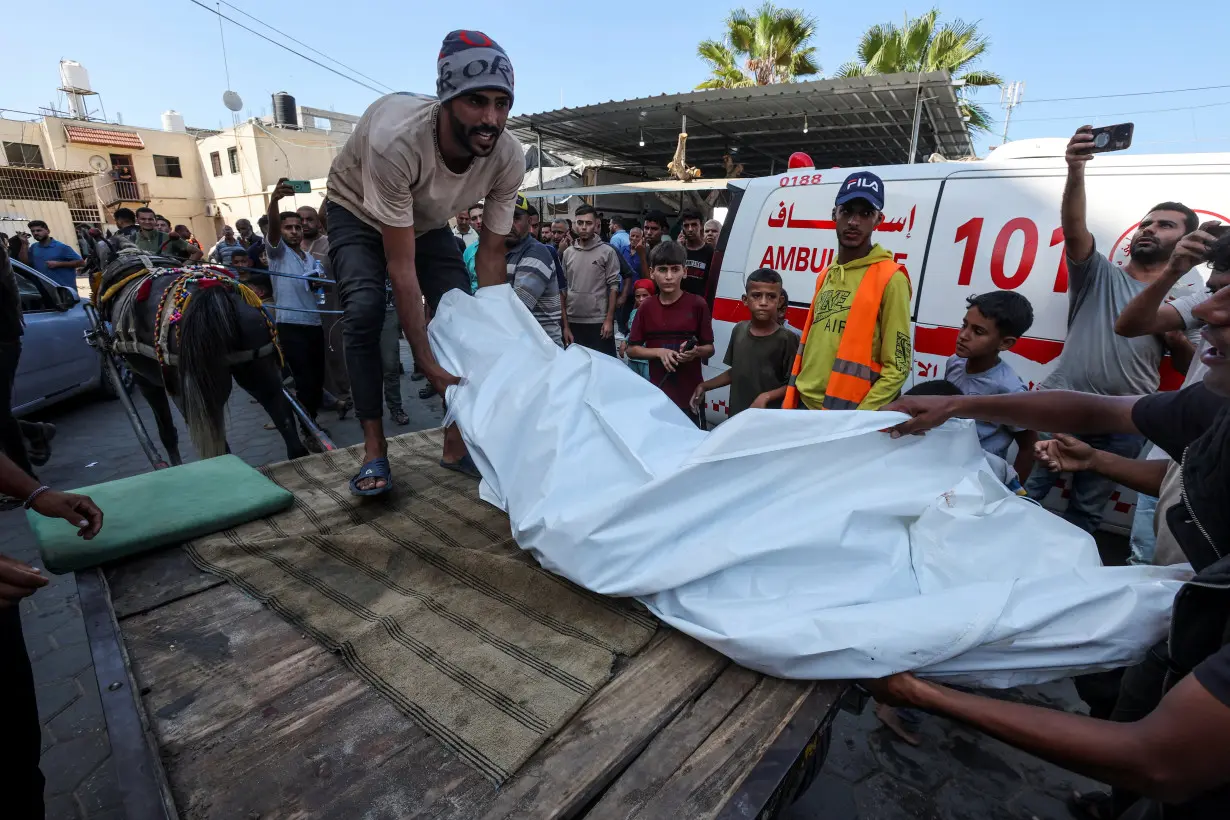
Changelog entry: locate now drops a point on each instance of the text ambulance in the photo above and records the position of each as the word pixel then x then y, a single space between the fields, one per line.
pixel 958 229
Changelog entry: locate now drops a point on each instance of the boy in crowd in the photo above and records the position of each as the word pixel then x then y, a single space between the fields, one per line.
pixel 760 352
pixel 993 323
pixel 642 289
pixel 700 253
pixel 666 323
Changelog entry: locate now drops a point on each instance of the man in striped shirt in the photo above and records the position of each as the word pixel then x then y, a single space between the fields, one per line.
pixel 531 272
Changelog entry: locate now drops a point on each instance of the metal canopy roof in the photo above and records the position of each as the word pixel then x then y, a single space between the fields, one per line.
pixel 850 122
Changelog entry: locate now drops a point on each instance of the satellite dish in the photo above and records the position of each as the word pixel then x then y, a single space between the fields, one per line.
pixel 232 101
pixel 98 163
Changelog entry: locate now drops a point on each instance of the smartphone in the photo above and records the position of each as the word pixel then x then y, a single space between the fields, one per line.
pixel 1112 137
pixel 300 186
pixel 1216 229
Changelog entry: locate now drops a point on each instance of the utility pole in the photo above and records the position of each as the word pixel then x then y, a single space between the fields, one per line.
pixel 1010 98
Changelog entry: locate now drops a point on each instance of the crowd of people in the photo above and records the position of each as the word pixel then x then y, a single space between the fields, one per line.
pixel 424 199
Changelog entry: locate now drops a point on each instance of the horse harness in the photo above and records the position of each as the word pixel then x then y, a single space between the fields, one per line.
pixel 121 287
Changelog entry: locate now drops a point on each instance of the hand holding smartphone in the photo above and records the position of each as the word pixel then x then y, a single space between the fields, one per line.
pixel 1112 137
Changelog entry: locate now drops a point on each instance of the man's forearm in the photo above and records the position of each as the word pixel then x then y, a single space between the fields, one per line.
pixel 490 267
pixel 1143 475
pixel 409 300
pixel 13 480
pixel 611 295
pixel 1103 750
pixel 1141 315
pixel 1051 411
pixel 1072 210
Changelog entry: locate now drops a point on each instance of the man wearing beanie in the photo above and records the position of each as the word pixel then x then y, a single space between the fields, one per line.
pixel 410 165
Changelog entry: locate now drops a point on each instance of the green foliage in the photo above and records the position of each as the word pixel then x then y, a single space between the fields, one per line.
pixel 924 44
pixel 763 47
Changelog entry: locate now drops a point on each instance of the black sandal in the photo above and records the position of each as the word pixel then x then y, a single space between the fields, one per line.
pixel 399 417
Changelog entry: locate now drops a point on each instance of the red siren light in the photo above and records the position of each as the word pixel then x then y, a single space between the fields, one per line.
pixel 800 160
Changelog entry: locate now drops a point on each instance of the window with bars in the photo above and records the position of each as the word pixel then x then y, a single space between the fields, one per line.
pixel 215 163
pixel 232 156
pixel 165 166
pixel 23 154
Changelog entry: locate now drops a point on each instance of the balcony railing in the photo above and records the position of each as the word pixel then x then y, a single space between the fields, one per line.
pixel 114 191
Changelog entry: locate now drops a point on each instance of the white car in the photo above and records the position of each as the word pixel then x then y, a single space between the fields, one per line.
pixel 56 362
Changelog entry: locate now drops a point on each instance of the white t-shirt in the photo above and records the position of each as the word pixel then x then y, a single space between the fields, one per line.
pixel 390 171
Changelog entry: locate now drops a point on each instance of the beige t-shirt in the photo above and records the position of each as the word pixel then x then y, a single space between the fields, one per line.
pixel 390 171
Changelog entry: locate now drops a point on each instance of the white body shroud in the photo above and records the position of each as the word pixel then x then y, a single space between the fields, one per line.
pixel 803 545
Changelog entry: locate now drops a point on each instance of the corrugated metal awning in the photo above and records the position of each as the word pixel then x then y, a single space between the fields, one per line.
pixel 850 122
pixel 103 136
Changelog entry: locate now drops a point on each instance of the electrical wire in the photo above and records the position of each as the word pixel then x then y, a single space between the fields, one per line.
pixel 285 47
pixel 222 36
pixel 1088 117
pixel 305 45
pixel 1126 94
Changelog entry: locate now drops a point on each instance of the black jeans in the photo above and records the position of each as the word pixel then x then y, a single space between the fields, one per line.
pixel 11 440
pixel 304 349
pixel 356 251
pixel 590 335
pixel 21 782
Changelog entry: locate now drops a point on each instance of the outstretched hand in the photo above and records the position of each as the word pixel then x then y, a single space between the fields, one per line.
pixel 1065 454
pixel 926 413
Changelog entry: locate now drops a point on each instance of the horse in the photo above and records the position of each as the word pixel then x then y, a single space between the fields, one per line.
pixel 185 331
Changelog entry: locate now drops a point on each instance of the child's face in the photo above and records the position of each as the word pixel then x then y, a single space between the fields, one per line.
pixel 640 295
pixel 667 278
pixel 764 300
pixel 980 337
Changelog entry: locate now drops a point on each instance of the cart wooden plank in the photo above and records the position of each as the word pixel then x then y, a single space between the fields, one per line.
pixel 252 718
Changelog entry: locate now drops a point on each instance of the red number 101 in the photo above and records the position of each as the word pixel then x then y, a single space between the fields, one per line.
pixel 971 232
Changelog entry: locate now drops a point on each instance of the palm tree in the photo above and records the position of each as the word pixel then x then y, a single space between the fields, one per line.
pixel 767 46
pixel 921 45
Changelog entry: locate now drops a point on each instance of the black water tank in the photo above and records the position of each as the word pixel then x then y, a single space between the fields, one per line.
pixel 284 111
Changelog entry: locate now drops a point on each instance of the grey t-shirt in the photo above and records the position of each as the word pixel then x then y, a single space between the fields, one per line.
pixel 1095 359
pixel 758 364
pixel 994 438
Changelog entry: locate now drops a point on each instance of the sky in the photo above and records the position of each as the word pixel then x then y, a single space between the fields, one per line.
pixel 567 54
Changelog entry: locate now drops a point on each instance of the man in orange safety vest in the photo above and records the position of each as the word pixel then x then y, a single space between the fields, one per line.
pixel 855 353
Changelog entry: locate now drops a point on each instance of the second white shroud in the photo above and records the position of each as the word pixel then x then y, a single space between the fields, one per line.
pixel 803 545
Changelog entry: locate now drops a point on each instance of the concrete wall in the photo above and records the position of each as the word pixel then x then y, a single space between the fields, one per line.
pixel 15 213
pixel 265 155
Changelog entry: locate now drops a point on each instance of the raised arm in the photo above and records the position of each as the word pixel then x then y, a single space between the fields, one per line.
pixel 1078 241
pixel 1146 315
pixel 280 191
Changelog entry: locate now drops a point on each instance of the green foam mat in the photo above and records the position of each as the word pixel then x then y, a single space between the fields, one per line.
pixel 152 510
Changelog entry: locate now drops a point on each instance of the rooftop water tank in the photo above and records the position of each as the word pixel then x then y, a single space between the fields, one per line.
pixel 284 111
pixel 73 75
pixel 173 121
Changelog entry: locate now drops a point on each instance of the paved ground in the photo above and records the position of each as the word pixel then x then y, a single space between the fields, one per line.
pixel 870 775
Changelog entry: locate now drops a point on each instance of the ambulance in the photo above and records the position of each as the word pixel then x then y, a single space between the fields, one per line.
pixel 958 229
